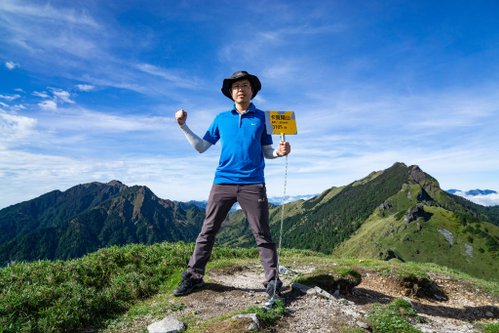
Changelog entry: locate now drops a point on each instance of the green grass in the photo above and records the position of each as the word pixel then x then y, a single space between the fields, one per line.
pixel 491 328
pixel 270 316
pixel 61 296
pixel 418 241
pixel 392 318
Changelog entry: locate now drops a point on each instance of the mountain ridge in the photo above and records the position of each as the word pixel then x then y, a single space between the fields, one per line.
pixel 399 204
pixel 405 204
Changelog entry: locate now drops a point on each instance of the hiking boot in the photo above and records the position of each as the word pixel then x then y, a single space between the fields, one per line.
pixel 270 288
pixel 187 285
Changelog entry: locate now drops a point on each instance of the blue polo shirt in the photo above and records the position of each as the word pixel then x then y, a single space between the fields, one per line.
pixel 242 138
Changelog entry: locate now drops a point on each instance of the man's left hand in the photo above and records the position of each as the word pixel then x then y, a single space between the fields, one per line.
pixel 284 148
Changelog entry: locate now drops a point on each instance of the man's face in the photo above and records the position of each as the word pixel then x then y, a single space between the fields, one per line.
pixel 242 91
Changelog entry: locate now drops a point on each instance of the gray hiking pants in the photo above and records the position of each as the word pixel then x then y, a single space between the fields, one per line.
pixel 253 201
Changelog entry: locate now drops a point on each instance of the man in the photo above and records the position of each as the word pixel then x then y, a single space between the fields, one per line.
pixel 238 177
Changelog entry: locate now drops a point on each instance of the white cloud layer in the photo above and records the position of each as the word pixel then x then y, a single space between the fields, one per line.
pixel 482 199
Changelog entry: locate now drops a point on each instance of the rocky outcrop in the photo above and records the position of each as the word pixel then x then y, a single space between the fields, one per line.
pixel 415 213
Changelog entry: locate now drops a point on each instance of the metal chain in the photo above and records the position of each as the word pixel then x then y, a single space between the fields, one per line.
pixel 281 227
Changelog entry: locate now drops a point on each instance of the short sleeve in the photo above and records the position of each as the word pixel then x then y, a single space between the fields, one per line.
pixel 212 135
pixel 266 138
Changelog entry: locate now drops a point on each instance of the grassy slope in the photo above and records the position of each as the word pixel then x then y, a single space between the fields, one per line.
pixel 420 240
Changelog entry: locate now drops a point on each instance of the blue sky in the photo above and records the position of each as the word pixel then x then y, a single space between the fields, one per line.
pixel 88 90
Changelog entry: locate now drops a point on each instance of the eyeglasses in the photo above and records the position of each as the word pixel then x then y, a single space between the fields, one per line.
pixel 244 86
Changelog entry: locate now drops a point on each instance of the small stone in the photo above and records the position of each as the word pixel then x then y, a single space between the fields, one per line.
pixel 254 324
pixel 489 314
pixel 169 324
pixel 407 299
pixel 283 270
pixel 362 324
pixel 300 287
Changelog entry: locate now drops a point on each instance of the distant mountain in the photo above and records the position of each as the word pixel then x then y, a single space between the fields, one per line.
pixel 400 212
pixel 69 224
pixel 276 201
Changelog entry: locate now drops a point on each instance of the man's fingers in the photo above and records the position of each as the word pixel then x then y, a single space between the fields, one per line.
pixel 181 116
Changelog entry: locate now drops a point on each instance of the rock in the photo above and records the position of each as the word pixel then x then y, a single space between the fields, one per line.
pixel 321 292
pixel 283 270
pixel 415 213
pixel 362 324
pixel 468 249
pixel 169 324
pixel 447 235
pixel 300 287
pixel 254 323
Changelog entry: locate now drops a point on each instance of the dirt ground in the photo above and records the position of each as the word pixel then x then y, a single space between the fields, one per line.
pixel 240 287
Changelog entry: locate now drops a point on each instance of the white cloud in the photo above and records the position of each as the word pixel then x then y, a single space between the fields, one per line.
pixel 169 76
pixel 14 128
pixel 166 176
pixel 40 94
pixel 87 121
pixel 11 65
pixel 63 96
pixel 48 105
pixel 10 98
pixel 17 107
pixel 47 12
pixel 483 199
pixel 85 87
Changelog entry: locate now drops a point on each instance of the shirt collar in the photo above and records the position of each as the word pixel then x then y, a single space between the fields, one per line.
pixel 251 108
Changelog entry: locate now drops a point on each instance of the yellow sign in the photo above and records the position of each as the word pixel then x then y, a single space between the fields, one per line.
pixel 280 122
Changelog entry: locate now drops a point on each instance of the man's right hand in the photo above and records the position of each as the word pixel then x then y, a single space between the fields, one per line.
pixel 181 117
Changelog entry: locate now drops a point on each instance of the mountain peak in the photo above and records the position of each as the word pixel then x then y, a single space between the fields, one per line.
pixel 116 183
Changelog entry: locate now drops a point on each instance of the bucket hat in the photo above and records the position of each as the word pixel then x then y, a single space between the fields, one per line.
pixel 238 76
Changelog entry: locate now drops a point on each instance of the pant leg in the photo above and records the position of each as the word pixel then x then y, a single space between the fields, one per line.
pixel 253 200
pixel 221 199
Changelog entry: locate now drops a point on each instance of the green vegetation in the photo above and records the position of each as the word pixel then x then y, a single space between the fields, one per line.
pixel 66 296
pixel 392 318
pixel 421 240
pixel 491 328
pixel 321 223
pixel 268 317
